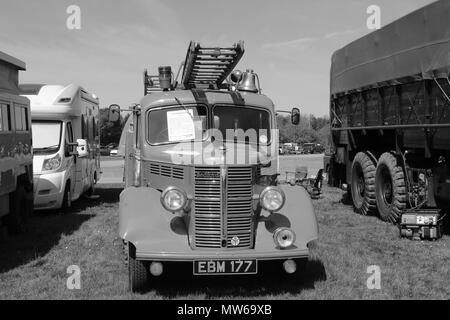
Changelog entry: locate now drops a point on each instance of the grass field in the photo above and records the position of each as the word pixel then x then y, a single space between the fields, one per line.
pixel 35 265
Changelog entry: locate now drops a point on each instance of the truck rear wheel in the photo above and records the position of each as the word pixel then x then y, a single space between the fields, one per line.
pixel 138 273
pixel 390 188
pixel 363 184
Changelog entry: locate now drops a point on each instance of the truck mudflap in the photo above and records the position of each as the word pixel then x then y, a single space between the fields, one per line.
pixel 160 235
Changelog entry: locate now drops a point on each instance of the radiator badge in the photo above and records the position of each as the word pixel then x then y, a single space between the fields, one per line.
pixel 235 241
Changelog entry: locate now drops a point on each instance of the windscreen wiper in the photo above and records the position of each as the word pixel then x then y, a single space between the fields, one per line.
pixel 184 107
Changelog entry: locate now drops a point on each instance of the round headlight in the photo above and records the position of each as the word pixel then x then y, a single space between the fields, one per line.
pixel 272 199
pixel 173 199
pixel 284 237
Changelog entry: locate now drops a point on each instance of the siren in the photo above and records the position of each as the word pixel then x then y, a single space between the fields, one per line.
pixel 165 77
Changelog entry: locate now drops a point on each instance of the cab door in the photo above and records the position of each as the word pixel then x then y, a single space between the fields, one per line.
pixel 70 160
pixel 81 165
pixel 132 151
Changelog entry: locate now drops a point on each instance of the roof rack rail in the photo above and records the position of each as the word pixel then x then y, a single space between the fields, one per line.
pixel 210 66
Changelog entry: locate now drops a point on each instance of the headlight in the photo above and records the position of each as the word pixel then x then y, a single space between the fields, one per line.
pixel 173 199
pixel 272 199
pixel 284 237
pixel 52 163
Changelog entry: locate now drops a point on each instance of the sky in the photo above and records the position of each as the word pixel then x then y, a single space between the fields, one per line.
pixel 288 43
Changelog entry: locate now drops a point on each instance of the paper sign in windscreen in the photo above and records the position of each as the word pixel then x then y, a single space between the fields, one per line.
pixel 180 125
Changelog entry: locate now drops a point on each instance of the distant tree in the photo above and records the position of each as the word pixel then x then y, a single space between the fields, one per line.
pixel 311 129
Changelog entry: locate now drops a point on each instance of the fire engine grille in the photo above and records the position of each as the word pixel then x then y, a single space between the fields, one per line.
pixel 239 207
pixel 208 208
pixel 220 218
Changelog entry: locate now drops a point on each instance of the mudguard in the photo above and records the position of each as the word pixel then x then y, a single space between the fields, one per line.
pixel 297 214
pixel 145 223
pixel 158 234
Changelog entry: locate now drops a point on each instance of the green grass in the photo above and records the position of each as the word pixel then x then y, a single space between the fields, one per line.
pixel 33 266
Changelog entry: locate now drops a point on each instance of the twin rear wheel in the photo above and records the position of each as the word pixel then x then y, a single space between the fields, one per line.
pixel 378 185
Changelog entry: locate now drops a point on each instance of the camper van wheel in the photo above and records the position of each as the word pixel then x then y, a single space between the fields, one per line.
pixel 138 272
pixel 363 184
pixel 67 199
pixel 16 220
pixel 390 188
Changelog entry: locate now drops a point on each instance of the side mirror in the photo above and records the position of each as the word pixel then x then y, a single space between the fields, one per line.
pixel 82 148
pixel 114 113
pixel 295 116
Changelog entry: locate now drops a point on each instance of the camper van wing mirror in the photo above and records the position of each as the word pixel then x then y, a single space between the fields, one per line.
pixel 82 148
pixel 295 116
pixel 114 113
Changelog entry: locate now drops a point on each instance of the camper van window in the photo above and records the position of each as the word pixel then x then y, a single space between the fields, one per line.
pixel 46 136
pixel 69 134
pixel 83 127
pixel 6 117
pixel 25 119
pixel 1 117
pixel 18 118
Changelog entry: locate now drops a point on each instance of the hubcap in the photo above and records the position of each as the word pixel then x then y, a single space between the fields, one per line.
pixel 387 192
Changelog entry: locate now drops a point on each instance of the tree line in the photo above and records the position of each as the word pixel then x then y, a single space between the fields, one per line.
pixel 311 129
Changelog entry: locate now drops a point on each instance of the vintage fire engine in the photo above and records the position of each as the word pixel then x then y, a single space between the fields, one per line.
pixel 201 167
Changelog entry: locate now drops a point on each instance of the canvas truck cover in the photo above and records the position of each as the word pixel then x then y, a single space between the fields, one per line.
pixel 417 45
pixel 9 73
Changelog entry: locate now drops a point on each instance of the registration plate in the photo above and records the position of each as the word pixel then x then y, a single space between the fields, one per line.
pixel 219 267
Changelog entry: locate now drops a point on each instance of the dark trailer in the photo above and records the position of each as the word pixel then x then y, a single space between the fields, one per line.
pixel 390 115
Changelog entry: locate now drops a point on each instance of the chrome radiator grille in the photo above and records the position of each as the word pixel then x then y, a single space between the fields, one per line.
pixel 223 207
pixel 239 206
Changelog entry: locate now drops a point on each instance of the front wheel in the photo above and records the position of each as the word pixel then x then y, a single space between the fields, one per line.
pixel 363 184
pixel 138 273
pixel 390 188
pixel 67 199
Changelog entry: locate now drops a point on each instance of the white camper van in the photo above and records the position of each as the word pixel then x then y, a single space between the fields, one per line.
pixel 66 143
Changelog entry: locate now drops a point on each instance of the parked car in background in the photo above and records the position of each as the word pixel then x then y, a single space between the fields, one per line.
pixel 106 150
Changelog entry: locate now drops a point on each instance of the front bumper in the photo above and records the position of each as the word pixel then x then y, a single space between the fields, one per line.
pixel 223 255
pixel 48 190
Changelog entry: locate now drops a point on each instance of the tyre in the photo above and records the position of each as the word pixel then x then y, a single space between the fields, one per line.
pixel 67 199
pixel 19 211
pixel 390 188
pixel 138 273
pixel 363 184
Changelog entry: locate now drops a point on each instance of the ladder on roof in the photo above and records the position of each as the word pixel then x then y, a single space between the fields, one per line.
pixel 208 66
pixel 151 83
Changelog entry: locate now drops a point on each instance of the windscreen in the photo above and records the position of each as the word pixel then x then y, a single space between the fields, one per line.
pixel 253 122
pixel 46 136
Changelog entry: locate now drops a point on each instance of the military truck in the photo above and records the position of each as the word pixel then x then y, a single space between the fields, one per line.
pixel 16 157
pixel 390 120
pixel 201 167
